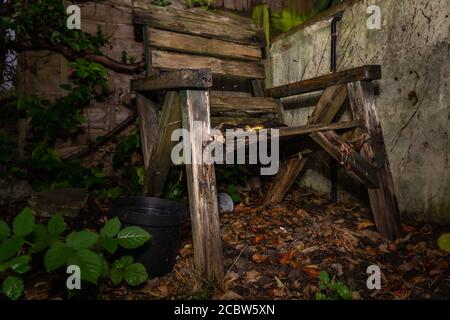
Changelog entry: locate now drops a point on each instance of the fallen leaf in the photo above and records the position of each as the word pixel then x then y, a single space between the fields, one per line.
pixel 278 293
pixel 230 295
pixel 365 224
pixel 280 284
pixel 258 258
pixel 252 276
pixel 287 257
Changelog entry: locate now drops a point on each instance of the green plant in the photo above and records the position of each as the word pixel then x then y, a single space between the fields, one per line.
pixel 444 242
pixel 200 3
pixel 330 289
pixel 87 249
pixel 162 3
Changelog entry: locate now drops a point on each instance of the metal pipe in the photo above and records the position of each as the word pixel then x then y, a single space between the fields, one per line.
pixel 333 166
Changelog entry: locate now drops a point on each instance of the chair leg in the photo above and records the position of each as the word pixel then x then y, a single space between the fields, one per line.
pixel 202 188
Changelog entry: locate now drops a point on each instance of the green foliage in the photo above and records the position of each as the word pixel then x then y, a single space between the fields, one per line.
pixel 200 3
pixel 87 249
pixel 162 3
pixel 444 242
pixel 331 289
pixel 232 175
pixel 176 185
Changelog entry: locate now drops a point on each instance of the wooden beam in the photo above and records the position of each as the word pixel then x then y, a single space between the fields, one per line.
pixel 329 105
pixel 171 60
pixel 160 162
pixel 201 180
pixel 174 41
pixel 382 200
pixel 249 105
pixel 175 79
pixel 345 155
pixel 205 23
pixel 283 181
pixel 311 128
pixel 148 124
pixel 369 72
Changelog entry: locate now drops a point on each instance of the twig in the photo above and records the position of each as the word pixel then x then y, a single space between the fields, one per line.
pixel 235 261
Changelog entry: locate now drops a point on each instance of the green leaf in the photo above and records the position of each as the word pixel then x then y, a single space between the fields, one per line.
pixel 324 278
pixel 10 247
pixel 133 237
pixel 20 264
pixel 135 274
pixel 5 231
pixel 116 276
pixel 111 228
pixel 109 244
pixel 23 224
pixel 342 291
pixel 82 239
pixel 444 242
pixel 13 287
pixel 123 262
pixel 56 225
pixel 57 256
pixel 105 269
pixel 90 264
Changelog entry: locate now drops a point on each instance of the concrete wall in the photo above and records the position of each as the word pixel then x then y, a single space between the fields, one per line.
pixel 42 72
pixel 413 48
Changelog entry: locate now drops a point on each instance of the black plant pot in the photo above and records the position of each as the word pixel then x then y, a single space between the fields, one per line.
pixel 163 219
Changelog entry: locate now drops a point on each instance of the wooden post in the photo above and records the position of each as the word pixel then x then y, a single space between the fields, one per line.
pixel 202 188
pixel 148 124
pixel 159 163
pixel 382 200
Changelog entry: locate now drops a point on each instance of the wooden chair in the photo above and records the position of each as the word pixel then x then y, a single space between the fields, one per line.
pixel 208 66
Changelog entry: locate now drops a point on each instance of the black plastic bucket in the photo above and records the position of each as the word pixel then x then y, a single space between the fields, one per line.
pixel 163 219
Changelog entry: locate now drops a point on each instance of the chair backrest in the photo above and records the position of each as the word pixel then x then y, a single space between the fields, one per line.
pixel 228 44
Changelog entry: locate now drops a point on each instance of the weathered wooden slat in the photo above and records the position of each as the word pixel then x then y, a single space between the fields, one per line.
pixel 243 104
pixel 160 162
pixel 328 106
pixel 382 200
pixel 239 121
pixel 200 22
pixel 175 79
pixel 201 180
pixel 369 72
pixel 345 155
pixel 311 128
pixel 283 181
pixel 174 41
pixel 148 124
pixel 172 60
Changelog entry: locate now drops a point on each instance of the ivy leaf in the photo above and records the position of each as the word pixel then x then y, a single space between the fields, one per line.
pixel 20 264
pixel 105 268
pixel 10 247
pixel 109 244
pixel 133 237
pixel 23 224
pixel 13 287
pixel 90 264
pixel 135 274
pixel 444 242
pixel 56 225
pixel 57 256
pixel 5 231
pixel 111 228
pixel 116 276
pixel 82 239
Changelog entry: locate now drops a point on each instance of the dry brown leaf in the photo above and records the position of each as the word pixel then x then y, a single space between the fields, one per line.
pixel 252 276
pixel 365 224
pixel 286 258
pixel 258 258
pixel 230 295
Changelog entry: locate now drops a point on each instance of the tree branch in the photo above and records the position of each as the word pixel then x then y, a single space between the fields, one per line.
pixel 114 65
